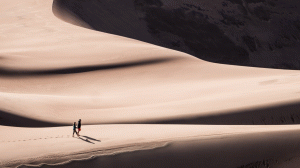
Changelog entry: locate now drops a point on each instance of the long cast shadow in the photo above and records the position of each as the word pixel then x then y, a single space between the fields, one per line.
pixel 272 115
pixel 86 140
pixel 8 119
pixel 93 139
pixel 4 72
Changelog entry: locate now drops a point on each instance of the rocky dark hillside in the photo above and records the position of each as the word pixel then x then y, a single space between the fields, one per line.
pixel 263 33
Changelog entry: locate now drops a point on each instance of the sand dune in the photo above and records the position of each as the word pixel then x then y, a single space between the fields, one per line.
pixel 262 33
pixel 176 145
pixel 132 96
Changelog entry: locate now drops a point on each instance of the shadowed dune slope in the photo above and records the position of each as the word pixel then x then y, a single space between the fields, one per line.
pixel 262 33
pixel 53 73
pixel 8 119
pixel 81 69
pixel 56 72
pixel 273 115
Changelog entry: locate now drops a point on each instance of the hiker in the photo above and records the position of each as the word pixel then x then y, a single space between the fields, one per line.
pixel 74 129
pixel 79 126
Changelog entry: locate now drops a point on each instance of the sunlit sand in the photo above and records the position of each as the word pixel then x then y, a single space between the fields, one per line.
pixel 132 96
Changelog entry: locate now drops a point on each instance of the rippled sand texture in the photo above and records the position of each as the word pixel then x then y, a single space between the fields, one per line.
pixel 132 96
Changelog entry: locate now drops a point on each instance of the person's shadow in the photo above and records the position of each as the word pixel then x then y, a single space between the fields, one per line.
pixel 93 139
pixel 87 139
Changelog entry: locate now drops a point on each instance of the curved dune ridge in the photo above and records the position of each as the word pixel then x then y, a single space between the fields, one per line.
pixel 263 33
pixel 140 104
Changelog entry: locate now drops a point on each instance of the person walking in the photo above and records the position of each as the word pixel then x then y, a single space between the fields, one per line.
pixel 79 126
pixel 74 129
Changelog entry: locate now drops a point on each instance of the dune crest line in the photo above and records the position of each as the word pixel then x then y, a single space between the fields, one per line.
pixel 5 72
pixel 145 104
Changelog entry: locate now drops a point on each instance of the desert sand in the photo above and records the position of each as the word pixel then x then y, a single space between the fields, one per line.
pixel 141 105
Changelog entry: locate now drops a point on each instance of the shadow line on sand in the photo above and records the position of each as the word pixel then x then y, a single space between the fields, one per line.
pixel 86 140
pixel 5 72
pixel 8 119
pixel 273 115
pixel 284 114
pixel 93 139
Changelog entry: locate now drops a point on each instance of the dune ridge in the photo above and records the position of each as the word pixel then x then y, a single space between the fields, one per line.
pixel 128 92
pixel 262 33
pixel 193 154
pixel 65 159
pixel 200 138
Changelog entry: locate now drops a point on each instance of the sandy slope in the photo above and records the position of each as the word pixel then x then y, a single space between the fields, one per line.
pixel 53 73
pixel 52 145
pixel 262 33
pixel 74 73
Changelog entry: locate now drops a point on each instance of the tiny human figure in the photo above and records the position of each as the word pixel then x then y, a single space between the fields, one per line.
pixel 79 126
pixel 74 129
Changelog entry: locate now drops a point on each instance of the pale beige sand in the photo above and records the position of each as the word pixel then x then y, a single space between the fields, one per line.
pixel 55 72
pixel 51 145
pixel 128 80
